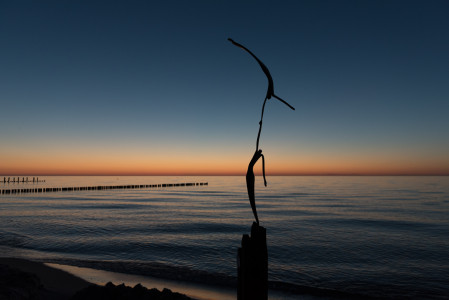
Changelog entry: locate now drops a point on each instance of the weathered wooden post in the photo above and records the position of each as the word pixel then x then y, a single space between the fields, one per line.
pixel 252 265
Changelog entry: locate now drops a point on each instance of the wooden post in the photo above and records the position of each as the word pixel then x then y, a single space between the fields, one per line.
pixel 252 265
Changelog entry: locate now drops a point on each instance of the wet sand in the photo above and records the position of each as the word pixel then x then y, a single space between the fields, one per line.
pixel 197 291
pixel 23 279
pixel 63 281
pixel 57 284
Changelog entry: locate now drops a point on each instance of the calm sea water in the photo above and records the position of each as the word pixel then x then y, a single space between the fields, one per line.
pixel 380 236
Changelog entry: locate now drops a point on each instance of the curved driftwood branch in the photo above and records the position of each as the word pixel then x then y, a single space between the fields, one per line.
pixel 250 178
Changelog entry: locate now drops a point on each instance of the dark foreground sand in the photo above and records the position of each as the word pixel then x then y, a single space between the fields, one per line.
pixel 25 279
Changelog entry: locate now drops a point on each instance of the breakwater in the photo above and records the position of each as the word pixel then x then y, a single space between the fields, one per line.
pixel 24 180
pixel 97 188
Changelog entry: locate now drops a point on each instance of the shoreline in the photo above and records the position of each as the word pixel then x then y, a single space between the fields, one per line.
pixel 63 281
pixel 39 278
pixel 25 279
pixel 193 290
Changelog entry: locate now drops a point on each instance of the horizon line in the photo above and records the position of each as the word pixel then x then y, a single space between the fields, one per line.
pixel 236 174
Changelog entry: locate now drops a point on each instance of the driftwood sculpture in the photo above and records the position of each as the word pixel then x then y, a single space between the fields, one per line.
pixel 250 178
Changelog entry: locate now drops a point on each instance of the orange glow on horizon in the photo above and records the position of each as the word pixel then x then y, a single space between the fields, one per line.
pixel 210 166
pixel 213 162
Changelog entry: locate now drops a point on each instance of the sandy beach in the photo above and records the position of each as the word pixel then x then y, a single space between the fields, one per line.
pixel 28 278
pixel 25 279
pixel 56 284
pixel 59 282
pixel 193 290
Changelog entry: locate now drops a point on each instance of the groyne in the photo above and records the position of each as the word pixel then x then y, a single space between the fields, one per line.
pixel 24 180
pixel 97 188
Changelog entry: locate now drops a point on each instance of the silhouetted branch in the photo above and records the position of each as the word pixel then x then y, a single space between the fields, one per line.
pixel 263 170
pixel 283 101
pixel 250 179
pixel 260 124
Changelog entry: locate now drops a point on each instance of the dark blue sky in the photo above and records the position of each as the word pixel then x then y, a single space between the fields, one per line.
pixel 159 81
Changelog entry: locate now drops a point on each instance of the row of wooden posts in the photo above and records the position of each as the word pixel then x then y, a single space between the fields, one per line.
pixel 24 179
pixel 96 188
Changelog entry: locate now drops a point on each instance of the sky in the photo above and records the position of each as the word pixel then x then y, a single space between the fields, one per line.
pixel 155 87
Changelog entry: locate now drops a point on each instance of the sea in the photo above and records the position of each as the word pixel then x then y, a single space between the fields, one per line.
pixel 352 237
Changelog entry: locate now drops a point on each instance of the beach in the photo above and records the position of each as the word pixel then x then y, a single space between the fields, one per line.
pixel 30 279
pixel 60 282
pixel 57 284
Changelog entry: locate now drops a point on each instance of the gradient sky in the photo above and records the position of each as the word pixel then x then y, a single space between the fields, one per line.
pixel 155 88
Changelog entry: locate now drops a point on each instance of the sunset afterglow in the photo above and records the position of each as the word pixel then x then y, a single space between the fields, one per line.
pixel 158 90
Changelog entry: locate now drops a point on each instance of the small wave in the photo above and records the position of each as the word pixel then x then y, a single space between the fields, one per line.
pixel 12 239
pixel 153 269
pixel 389 224
pixel 178 228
